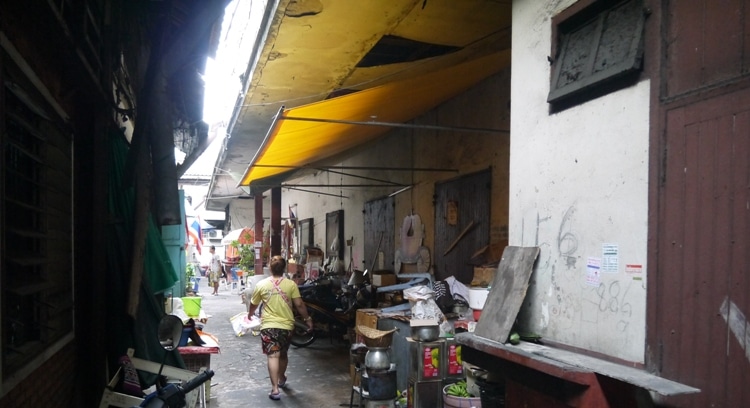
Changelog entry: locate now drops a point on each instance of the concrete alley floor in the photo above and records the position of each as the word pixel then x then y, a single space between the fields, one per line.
pixel 318 375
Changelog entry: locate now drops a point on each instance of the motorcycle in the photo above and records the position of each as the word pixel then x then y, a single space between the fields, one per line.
pixel 172 395
pixel 332 304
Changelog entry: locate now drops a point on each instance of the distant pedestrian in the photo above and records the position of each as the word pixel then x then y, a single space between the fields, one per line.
pixel 278 296
pixel 214 270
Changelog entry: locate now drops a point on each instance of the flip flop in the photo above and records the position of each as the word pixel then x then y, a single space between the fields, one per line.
pixel 282 384
pixel 274 396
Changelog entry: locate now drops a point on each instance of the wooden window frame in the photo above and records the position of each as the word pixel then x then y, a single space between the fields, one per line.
pixel 593 82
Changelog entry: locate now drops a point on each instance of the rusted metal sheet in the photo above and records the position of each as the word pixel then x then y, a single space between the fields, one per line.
pixel 458 203
pixel 380 227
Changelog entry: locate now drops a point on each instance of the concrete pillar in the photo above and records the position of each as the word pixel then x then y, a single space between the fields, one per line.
pixel 276 221
pixel 259 234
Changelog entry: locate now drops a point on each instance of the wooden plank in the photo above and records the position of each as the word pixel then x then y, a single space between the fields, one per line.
pixel 507 293
pixel 630 375
pixel 520 356
pixel 458 238
pixel 572 366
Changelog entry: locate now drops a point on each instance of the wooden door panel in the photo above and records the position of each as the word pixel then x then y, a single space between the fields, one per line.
pixel 379 233
pixel 470 197
pixel 702 263
pixel 707 44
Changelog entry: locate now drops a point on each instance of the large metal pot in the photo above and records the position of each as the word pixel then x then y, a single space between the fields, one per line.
pixel 425 333
pixel 381 384
pixel 377 358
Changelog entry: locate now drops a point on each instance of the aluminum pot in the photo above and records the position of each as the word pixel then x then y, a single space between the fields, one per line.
pixel 425 333
pixel 377 358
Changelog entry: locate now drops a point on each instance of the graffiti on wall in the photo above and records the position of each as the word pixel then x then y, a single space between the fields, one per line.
pixel 564 304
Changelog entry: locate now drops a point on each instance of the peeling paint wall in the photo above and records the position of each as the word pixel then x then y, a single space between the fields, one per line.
pixel 578 190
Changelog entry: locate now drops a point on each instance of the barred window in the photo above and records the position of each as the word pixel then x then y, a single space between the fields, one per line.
pixel 36 219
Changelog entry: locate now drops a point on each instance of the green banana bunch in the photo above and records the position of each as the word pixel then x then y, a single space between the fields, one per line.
pixel 458 390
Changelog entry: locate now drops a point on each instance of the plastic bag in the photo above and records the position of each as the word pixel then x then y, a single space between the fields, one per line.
pixel 422 301
pixel 423 306
pixel 242 325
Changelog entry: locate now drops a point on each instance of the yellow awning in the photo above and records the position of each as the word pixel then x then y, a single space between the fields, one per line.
pixel 299 143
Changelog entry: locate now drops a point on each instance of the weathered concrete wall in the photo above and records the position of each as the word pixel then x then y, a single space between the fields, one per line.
pixel 242 212
pixel 578 190
pixel 484 106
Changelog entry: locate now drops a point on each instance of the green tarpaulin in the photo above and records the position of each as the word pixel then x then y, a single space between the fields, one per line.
pixel 159 273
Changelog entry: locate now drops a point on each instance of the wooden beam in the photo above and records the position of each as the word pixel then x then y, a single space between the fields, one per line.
pixel 459 237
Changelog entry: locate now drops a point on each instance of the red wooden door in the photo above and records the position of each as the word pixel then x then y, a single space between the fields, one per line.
pixel 702 277
pixel 699 257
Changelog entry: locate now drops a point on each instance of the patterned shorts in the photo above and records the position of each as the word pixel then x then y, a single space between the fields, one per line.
pixel 275 340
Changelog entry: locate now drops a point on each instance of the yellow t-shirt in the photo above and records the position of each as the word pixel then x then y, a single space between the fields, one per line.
pixel 277 313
